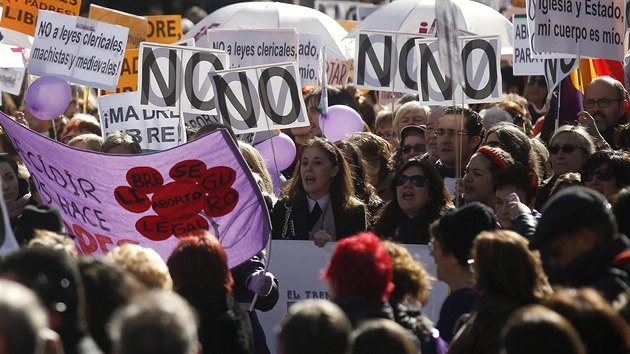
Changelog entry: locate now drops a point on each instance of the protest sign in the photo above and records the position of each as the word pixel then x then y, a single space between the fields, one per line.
pixel 309 58
pixel 79 50
pixel 165 29
pixel 260 98
pixel 250 47
pixel 589 28
pixel 298 265
pixel 11 69
pixel 138 25
pixel 155 128
pixel 337 71
pixel 523 63
pixel 21 15
pixel 386 61
pixel 482 72
pixel 179 77
pixel 557 69
pixel 150 199
pixel 128 79
pixel 345 10
pixel 8 243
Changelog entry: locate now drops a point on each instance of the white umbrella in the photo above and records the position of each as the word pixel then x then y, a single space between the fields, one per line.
pixel 214 20
pixel 418 16
pixel 257 15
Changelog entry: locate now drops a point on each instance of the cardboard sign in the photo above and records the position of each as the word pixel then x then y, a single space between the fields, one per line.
pixel 482 72
pixel 260 98
pixel 138 25
pixel 79 50
pixel 249 47
pixel 150 199
pixel 179 77
pixel 386 61
pixel 523 62
pixel 21 15
pixel 11 69
pixel 165 29
pixel 128 79
pixel 309 48
pixel 557 69
pixel 593 29
pixel 155 128
pixel 298 265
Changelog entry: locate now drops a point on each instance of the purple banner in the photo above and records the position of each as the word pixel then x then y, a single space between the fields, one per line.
pixel 148 199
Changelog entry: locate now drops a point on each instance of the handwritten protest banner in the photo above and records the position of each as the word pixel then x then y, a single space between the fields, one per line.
pixel 128 79
pixel 298 265
pixel 11 69
pixel 260 98
pixel 155 128
pixel 309 58
pixel 590 28
pixel 482 72
pixel 21 15
pixel 138 25
pixel 523 63
pixel 179 77
pixel 79 50
pixel 250 47
pixel 386 61
pixel 165 29
pixel 148 199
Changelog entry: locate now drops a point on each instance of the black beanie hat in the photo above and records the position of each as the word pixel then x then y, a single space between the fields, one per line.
pixel 459 227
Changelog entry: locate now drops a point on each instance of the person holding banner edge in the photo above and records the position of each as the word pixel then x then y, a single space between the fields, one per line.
pixel 318 203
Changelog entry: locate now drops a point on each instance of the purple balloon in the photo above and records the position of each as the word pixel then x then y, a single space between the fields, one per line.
pixel 48 97
pixel 285 151
pixel 339 122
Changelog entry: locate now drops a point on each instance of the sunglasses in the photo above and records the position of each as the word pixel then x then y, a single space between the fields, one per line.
pixel 567 149
pixel 602 175
pixel 417 148
pixel 416 180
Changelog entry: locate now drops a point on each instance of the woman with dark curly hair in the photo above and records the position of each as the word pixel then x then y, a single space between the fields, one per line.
pixel 200 273
pixel 379 163
pixel 363 190
pixel 419 198
pixel 607 171
pixel 319 203
pixel 15 188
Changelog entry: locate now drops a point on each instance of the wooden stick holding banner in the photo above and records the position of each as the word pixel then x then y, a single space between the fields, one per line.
pixel 448 39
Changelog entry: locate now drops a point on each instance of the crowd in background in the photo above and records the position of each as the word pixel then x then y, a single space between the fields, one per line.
pixel 527 225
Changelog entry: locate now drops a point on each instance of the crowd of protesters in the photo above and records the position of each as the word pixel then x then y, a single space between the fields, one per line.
pixel 527 225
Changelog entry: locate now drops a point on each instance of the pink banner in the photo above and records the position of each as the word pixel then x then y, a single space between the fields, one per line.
pixel 148 199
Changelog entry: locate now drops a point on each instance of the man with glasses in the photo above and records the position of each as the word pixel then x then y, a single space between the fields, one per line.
pixel 604 110
pixel 459 133
pixel 581 243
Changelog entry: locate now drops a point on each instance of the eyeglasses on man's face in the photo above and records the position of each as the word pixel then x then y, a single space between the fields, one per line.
pixel 602 102
pixel 449 132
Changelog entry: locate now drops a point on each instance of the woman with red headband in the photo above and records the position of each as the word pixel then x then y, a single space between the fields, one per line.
pixel 478 183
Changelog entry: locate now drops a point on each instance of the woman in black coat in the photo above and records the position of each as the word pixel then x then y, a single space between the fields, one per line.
pixel 319 202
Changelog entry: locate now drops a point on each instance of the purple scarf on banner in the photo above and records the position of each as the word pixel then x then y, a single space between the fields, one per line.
pixel 148 199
